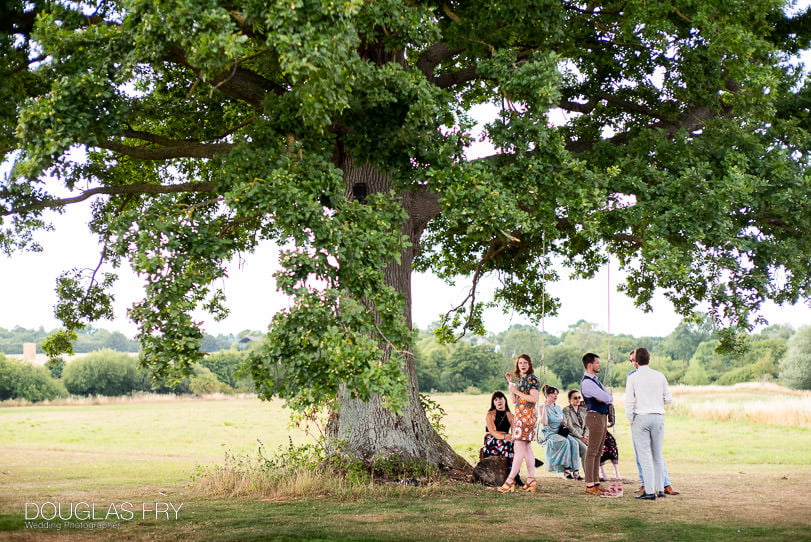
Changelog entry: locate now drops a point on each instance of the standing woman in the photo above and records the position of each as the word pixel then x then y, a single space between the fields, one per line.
pixel 525 394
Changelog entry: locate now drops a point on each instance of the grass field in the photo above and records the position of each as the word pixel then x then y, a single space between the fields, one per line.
pixel 743 477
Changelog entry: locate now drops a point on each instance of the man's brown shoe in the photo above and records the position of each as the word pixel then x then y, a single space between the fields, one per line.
pixel 594 490
pixel 670 491
pixel 641 490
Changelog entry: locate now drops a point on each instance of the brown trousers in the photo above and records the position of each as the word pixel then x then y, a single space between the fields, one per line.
pixel 597 425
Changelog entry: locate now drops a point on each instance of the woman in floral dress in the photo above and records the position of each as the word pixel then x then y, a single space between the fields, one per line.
pixel 525 392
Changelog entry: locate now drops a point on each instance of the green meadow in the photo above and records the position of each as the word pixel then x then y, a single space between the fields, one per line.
pixel 740 479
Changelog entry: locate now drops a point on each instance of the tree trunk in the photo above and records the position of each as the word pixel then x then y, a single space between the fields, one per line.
pixel 365 429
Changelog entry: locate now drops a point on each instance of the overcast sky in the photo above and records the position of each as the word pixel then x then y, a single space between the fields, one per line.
pixel 27 294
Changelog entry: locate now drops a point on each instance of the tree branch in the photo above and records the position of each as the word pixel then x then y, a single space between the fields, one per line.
pixel 625 105
pixel 494 250
pixel 114 190
pixel 632 240
pixel 155 138
pixel 246 25
pixel 172 148
pixel 239 83
pixel 464 75
pixel 433 56
pixel 587 11
pixel 690 121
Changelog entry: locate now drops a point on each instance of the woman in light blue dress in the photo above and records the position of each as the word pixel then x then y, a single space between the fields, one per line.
pixel 562 453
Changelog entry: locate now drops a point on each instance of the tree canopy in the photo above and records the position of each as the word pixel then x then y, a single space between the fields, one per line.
pixel 671 135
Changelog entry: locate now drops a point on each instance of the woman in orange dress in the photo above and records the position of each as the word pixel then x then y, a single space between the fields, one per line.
pixel 525 393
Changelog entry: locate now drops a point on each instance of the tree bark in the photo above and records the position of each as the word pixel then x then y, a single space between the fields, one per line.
pixel 366 430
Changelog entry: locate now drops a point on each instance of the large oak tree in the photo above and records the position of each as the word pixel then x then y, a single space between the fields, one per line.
pixel 673 135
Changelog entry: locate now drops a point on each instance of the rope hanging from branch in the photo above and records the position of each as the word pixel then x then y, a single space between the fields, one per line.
pixel 543 307
pixel 608 326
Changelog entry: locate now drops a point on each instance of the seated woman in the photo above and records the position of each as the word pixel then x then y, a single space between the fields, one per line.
pixel 575 419
pixel 498 421
pixel 562 452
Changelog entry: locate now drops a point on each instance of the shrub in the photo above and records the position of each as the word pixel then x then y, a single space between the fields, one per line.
pixel 104 372
pixel 762 370
pixel 673 369
pixel 795 367
pixel 226 366
pixel 245 384
pixel 147 383
pixel 696 374
pixel 746 373
pixel 201 382
pixel 21 380
pixel 204 382
pixel 394 468
pixel 435 414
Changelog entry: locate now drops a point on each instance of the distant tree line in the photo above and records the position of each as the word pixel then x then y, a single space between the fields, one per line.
pixel 686 356
pixel 111 369
pixel 92 339
pixel 110 373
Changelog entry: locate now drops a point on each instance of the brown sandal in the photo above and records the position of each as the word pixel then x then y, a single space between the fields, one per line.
pixel 531 486
pixel 508 487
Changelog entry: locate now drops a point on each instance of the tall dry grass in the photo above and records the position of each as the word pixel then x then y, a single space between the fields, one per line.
pixel 227 481
pixel 795 412
pixel 736 389
pixel 756 402
pixel 243 477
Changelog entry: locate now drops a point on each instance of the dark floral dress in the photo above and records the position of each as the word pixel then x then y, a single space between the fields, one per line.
pixel 497 446
pixel 610 450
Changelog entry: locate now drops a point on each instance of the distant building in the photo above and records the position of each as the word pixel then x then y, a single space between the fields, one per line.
pixel 29 351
